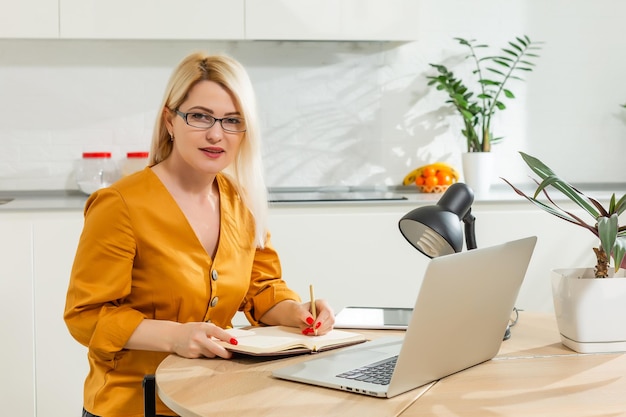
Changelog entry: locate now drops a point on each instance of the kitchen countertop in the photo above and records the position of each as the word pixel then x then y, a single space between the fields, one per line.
pixel 29 200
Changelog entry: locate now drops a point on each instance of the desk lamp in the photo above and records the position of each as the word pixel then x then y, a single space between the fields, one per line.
pixel 436 230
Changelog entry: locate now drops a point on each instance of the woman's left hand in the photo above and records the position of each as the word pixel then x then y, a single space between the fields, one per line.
pixel 294 314
pixel 323 323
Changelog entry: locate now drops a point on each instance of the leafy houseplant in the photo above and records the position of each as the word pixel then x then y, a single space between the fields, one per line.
pixel 493 73
pixel 611 235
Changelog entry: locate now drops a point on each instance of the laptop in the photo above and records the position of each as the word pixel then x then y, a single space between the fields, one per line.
pixel 462 310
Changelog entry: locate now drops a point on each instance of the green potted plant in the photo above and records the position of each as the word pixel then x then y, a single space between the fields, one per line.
pixel 491 76
pixel 590 311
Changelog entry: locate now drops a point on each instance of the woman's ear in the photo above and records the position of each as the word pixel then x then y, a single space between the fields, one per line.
pixel 168 115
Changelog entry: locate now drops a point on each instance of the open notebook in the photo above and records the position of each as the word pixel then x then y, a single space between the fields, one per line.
pixel 281 341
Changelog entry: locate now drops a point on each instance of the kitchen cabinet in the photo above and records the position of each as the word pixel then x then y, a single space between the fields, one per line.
pixel 37 19
pixel 17 394
pixel 60 361
pixel 352 20
pixel 151 19
pixel 44 367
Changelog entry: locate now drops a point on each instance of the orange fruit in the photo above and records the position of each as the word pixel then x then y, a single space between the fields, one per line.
pixel 429 172
pixel 419 180
pixel 431 181
pixel 444 178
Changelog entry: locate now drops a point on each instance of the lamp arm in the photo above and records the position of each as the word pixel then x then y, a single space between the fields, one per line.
pixel 470 234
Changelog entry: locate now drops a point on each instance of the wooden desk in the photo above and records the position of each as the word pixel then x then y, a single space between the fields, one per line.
pixel 244 387
pixel 551 386
pixel 533 374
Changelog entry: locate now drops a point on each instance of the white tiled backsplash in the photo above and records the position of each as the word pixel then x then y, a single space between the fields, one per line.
pixel 333 113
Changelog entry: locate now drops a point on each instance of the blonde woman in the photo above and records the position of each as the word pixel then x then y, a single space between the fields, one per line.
pixel 168 255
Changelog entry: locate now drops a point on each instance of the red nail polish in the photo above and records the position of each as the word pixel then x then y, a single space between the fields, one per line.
pixel 233 341
pixel 309 320
pixel 317 326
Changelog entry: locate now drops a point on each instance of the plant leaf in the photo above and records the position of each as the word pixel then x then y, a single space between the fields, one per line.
pixel 619 251
pixel 537 166
pixel 516 46
pixel 599 206
pixel 524 41
pixel 555 211
pixel 612 204
pixel 607 229
pixel 502 62
pixel 570 192
pixel 511 52
pixel 620 206
pixel 466 115
pixel 496 71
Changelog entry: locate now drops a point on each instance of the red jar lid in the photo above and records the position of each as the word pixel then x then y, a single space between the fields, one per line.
pixel 137 155
pixel 96 154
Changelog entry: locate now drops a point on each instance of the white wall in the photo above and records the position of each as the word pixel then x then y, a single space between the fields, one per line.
pixel 334 112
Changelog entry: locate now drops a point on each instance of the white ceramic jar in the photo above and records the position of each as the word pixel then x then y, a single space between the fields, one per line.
pixel 96 170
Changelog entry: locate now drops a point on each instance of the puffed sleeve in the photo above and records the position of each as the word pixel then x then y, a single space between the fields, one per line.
pixel 267 287
pixel 101 277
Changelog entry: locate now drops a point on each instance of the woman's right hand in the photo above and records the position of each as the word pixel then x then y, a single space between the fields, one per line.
pixel 195 340
pixel 189 340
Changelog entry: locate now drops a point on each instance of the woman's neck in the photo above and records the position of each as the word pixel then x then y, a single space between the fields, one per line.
pixel 179 178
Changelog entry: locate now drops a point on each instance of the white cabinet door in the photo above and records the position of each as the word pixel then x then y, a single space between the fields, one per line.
pixel 385 20
pixel 61 362
pixel 354 255
pixel 17 387
pixel 151 19
pixel 29 19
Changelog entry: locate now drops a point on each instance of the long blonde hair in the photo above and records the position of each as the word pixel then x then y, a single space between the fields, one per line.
pixel 246 172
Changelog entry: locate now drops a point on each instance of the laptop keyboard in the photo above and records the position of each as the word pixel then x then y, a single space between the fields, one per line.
pixel 376 373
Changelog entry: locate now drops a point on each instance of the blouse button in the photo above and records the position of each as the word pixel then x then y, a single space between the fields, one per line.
pixel 214 301
pixel 214 275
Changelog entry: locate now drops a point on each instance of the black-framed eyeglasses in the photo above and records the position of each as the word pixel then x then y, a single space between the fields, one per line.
pixel 206 121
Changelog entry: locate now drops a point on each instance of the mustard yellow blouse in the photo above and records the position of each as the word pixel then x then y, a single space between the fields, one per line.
pixel 138 258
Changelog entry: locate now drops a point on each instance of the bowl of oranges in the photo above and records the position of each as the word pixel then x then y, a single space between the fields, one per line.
pixel 432 178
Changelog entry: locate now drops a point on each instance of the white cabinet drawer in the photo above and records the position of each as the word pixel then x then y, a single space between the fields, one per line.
pixel 331 19
pixel 36 19
pixel 152 19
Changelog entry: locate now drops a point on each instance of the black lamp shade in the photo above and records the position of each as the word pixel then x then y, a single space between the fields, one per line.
pixel 436 230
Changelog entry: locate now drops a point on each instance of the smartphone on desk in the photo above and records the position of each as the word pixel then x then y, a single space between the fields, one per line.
pixel 377 318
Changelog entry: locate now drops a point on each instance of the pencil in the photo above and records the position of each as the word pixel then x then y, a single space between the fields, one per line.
pixel 313 309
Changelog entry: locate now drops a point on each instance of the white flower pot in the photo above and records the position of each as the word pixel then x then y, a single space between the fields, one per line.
pixel 478 171
pixel 590 312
